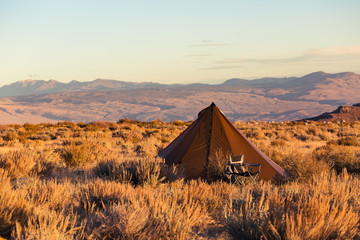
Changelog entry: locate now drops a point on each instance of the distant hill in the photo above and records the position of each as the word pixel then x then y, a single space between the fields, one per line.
pixel 265 99
pixel 342 113
pixel 31 87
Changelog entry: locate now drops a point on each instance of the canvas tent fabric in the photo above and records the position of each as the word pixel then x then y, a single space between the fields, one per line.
pixel 210 133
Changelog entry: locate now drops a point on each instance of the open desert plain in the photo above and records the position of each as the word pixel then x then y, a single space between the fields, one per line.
pixel 102 180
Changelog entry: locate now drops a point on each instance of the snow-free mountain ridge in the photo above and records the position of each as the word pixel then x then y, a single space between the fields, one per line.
pixel 266 99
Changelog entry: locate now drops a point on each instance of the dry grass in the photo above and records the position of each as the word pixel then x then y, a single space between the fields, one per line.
pixel 45 224
pixel 320 209
pixel 18 163
pixel 103 181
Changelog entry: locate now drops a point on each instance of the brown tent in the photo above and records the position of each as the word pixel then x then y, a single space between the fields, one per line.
pixel 208 134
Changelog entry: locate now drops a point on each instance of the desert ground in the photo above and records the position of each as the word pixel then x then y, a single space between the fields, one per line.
pixel 102 180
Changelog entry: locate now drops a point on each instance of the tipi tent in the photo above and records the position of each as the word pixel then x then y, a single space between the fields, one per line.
pixel 208 134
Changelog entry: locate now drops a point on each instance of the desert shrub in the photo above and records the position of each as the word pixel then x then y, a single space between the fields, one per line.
pixel 78 154
pixel 120 221
pixel 99 194
pixel 147 147
pixel 18 163
pixel 216 166
pixel 180 123
pixel 51 194
pixel 47 159
pixel 32 127
pixel 284 135
pixel 299 165
pixel 303 167
pixel 45 224
pixel 211 196
pixel 313 130
pixel 104 124
pixel 68 124
pixel 279 142
pixel 326 135
pixel 303 137
pixel 347 141
pixel 172 173
pixel 255 133
pixel 148 170
pixel 339 157
pixel 9 136
pixel 93 127
pixel 317 210
pixel 175 216
pixel 13 206
pixel 113 169
pixel 129 135
pixel 148 214
pixel 125 120
pixel 41 136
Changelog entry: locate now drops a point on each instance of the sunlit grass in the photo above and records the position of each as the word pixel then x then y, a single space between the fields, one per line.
pixel 103 181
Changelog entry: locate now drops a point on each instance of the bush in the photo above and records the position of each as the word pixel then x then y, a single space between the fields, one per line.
pixel 294 212
pixel 51 194
pixel 13 208
pixel 339 157
pixel 49 225
pixel 18 163
pixel 78 154
pixel 148 171
pixel 113 169
pixel 216 166
pixel 120 221
pixel 9 136
pixel 347 141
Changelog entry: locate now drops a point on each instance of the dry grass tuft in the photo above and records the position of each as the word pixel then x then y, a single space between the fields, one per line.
pixel 49 225
pixel 79 153
pixel 339 157
pixel 216 166
pixel 18 163
pixel 13 208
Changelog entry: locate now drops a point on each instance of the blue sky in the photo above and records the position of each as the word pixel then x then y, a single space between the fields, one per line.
pixel 176 41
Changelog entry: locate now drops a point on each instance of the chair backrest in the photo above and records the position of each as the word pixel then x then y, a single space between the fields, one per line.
pixel 238 159
pixel 237 163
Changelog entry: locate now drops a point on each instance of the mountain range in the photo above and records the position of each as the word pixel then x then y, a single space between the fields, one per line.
pixel 265 99
pixel 30 87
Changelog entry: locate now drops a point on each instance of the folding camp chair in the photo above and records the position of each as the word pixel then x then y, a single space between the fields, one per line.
pixel 240 172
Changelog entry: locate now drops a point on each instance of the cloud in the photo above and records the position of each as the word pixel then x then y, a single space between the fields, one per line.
pixel 348 51
pixel 33 75
pixel 199 55
pixel 222 67
pixel 208 43
pixel 319 54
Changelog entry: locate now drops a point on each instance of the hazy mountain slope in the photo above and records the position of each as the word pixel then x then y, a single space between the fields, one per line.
pixel 30 87
pixel 288 99
pixel 342 113
pixel 341 88
pixel 285 88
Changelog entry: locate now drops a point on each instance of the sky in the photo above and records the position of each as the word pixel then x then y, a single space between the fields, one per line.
pixel 169 41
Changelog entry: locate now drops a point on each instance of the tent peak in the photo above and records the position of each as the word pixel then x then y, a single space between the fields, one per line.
pixel 212 104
